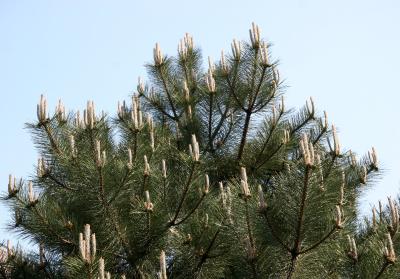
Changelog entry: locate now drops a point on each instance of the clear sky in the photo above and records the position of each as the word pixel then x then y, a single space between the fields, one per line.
pixel 343 53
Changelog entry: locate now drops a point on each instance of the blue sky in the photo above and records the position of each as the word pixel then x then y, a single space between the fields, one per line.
pixel 343 53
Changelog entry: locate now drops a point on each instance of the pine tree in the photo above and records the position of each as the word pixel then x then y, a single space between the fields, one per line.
pixel 204 174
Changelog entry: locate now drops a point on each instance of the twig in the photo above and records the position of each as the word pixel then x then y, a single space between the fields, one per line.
pixel 384 266
pixel 274 234
pixel 50 136
pixel 251 238
pixel 185 190
pixel 191 211
pixel 58 182
pixel 315 245
pixel 206 253
pixel 168 93
pixel 299 229
pixel 244 135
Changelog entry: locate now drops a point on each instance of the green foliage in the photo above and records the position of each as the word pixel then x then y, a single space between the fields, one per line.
pixel 208 166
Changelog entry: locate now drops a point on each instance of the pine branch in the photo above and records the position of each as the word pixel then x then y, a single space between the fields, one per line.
pixel 301 125
pixel 134 132
pixel 232 92
pixel 249 224
pixel 58 182
pixel 244 135
pixel 219 125
pixel 191 211
pixel 322 240
pixel 210 140
pixel 171 103
pixel 252 99
pixel 292 267
pixel 185 70
pixel 145 182
pixel 265 144
pixel 108 211
pixel 47 225
pixel 185 190
pixel 317 139
pixel 102 198
pixel 300 221
pixel 382 270
pixel 225 138
pixel 51 138
pixel 129 236
pixel 332 162
pixel 274 233
pixel 292 132
pixel 257 92
pixel 249 110
pixel 160 108
pixel 43 221
pixel 269 157
pixel 164 188
pixel 299 229
pixel 251 239
pixel 122 184
pixel 148 215
pixel 263 105
pixel 204 257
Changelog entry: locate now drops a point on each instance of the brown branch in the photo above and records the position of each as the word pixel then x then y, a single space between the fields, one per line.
pixel 219 125
pixel 248 224
pixel 268 138
pixel 210 143
pixel 269 157
pixel 251 238
pixel 315 245
pixel 108 209
pixel 292 266
pixel 185 190
pixel 168 93
pixel 231 88
pixel 122 184
pixel 145 180
pixel 158 106
pixel 259 87
pixel 301 125
pixel 44 221
pixel 191 211
pixel 273 232
pixel 244 135
pixel 58 182
pixel 164 188
pixel 328 171
pixel 204 257
pixel 223 140
pixel 319 136
pixel 135 136
pixel 253 79
pixel 300 222
pixel 51 138
pixel 279 147
pixel 102 198
pixel 382 270
pixel 249 110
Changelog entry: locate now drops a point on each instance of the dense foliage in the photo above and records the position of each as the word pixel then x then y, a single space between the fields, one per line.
pixel 204 174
